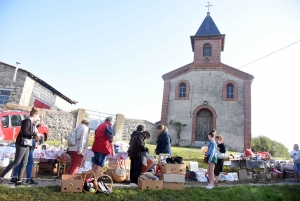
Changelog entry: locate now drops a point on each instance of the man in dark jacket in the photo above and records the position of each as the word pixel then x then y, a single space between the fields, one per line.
pixel 137 145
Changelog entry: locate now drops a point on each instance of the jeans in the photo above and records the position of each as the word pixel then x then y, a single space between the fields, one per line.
pixel 21 158
pixel 75 164
pixel 29 164
pixel 297 168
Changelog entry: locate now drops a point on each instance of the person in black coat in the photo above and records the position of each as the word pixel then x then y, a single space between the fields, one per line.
pixel 219 165
pixel 137 145
pixel 22 151
pixel 163 141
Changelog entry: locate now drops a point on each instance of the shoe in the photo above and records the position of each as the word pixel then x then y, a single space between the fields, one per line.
pixel 133 184
pixel 13 180
pixel 19 183
pixel 209 186
pixel 31 182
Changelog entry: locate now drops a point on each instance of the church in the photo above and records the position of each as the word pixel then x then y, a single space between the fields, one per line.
pixel 207 94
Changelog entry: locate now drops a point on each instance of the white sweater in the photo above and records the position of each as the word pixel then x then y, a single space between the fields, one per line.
pixel 82 139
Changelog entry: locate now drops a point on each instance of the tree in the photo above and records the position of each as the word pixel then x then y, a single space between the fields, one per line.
pixel 178 126
pixel 263 143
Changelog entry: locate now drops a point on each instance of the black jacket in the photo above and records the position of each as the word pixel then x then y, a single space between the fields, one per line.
pixel 137 145
pixel 27 131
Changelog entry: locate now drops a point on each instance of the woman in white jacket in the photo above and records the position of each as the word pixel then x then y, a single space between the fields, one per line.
pixel 293 154
pixel 79 149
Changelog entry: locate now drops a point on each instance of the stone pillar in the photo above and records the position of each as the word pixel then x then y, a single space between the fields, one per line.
pixel 119 124
pixel 80 116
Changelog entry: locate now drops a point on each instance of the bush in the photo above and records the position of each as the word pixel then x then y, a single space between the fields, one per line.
pixel 263 143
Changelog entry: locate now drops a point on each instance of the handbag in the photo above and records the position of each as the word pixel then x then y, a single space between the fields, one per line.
pixel 221 155
pixel 205 159
pixel 26 141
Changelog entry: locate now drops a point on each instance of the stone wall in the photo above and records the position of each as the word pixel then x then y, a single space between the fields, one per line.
pixel 130 125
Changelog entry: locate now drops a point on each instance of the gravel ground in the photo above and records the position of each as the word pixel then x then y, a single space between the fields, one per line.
pixel 46 180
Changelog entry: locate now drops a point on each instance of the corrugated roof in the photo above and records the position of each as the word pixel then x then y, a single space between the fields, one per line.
pixel 45 84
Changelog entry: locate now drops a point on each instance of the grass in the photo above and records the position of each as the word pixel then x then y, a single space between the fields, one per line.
pixel 245 193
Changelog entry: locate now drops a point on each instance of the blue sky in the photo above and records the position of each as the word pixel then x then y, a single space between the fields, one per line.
pixel 110 55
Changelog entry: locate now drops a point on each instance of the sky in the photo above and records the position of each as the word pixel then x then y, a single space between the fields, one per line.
pixel 110 55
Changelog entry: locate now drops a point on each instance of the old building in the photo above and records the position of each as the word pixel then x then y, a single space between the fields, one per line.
pixel 207 94
pixel 29 90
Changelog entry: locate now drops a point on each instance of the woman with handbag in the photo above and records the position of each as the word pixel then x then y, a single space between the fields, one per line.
pixel 23 146
pixel 212 159
pixel 221 155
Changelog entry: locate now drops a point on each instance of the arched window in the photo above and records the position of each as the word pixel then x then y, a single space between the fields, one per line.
pixel 207 50
pixel 182 90
pixel 229 91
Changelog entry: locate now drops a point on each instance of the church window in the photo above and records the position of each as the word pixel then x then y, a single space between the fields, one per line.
pixel 207 50
pixel 182 90
pixel 229 91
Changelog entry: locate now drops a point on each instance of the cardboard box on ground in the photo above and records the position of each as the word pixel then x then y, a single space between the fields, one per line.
pixel 173 186
pixel 71 183
pixel 150 184
pixel 46 168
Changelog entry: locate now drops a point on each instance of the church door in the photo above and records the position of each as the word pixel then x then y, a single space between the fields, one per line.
pixel 204 124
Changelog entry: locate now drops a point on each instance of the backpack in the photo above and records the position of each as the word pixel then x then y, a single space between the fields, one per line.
pixel 72 138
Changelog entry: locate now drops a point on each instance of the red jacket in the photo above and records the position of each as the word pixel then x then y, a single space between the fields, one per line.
pixel 103 138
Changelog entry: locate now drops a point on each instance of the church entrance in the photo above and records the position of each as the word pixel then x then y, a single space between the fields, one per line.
pixel 203 125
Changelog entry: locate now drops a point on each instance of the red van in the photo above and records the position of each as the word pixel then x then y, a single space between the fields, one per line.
pixel 10 124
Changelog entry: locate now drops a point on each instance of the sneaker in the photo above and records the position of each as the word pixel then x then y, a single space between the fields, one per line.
pixel 31 182
pixel 209 186
pixel 19 183
pixel 13 180
pixel 133 185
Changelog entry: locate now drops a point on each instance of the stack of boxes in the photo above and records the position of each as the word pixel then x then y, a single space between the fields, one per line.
pixel 173 175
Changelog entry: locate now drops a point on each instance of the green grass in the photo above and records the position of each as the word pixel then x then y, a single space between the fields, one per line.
pixel 244 193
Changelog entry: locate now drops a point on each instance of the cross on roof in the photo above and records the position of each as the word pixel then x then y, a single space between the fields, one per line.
pixel 208 5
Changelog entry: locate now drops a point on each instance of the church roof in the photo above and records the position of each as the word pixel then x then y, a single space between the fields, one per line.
pixel 207 28
pixel 223 67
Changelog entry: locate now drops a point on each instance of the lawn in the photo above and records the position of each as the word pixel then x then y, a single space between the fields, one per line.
pixel 251 193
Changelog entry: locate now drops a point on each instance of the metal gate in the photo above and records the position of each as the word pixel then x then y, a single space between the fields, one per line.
pixel 96 118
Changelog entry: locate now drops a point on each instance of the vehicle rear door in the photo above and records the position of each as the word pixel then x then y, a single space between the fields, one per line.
pixel 6 131
pixel 16 121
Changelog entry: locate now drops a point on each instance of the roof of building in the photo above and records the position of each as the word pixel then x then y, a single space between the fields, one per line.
pixel 43 83
pixel 220 66
pixel 207 28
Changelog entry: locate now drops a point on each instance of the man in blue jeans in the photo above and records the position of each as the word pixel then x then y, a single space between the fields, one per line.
pixel 30 162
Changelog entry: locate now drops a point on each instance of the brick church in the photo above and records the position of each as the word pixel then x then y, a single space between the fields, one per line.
pixel 207 94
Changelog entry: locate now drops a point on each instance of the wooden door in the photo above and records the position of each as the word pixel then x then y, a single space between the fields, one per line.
pixel 204 124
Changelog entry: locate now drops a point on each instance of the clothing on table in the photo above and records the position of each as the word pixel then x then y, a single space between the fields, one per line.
pixel 219 165
pixel 164 141
pixel 76 160
pixel 103 139
pixel 211 150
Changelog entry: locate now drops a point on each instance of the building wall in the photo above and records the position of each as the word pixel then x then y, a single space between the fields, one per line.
pixel 62 104
pixel 6 82
pixel 208 86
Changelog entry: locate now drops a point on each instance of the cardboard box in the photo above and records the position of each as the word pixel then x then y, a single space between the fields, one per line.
pixel 46 168
pixel 173 186
pixel 243 174
pixel 177 178
pixel 193 166
pixel 71 183
pixel 274 174
pixel 150 184
pixel 173 168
